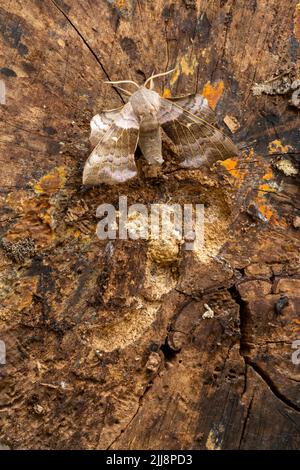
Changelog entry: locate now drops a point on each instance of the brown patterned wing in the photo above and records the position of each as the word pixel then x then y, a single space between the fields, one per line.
pixel 100 123
pixel 112 160
pixel 190 124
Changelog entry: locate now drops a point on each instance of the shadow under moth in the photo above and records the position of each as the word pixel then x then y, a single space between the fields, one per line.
pixel 189 123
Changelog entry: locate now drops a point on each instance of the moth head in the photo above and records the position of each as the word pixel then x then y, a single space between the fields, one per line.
pixel 145 102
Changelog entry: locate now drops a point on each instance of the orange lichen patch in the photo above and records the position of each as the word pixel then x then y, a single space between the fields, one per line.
pixel 269 175
pixel 51 182
pixel 167 93
pixel 297 22
pixel 266 188
pixel 231 165
pixel 213 93
pixel 264 206
pixel 276 146
pixel 265 211
pixel 21 296
pixel 35 222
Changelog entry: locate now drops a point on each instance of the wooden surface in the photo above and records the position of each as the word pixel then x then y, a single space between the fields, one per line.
pixel 107 347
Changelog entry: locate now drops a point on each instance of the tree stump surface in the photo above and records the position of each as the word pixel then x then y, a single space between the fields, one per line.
pixel 106 343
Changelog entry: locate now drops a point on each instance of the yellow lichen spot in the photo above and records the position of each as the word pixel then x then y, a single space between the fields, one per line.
pixel 73 232
pixel 297 323
pixel 51 182
pixel 205 53
pixel 276 146
pixel 121 4
pixel 175 75
pixel 213 93
pixel 186 65
pixel 214 438
pixel 61 42
pixel 167 93
pixel 297 22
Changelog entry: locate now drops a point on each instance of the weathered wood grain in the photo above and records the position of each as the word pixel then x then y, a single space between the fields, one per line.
pixel 107 346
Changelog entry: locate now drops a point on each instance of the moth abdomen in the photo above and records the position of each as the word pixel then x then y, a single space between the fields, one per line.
pixel 150 144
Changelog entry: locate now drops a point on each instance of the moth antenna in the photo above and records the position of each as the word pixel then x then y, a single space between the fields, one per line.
pixel 151 81
pixel 123 90
pixel 158 75
pixel 111 110
pixel 123 81
pixel 151 84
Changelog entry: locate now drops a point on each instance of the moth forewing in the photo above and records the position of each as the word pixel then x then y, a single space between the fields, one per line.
pixel 100 123
pixel 112 160
pixel 194 134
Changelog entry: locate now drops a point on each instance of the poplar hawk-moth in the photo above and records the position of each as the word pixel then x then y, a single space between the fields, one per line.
pixel 189 122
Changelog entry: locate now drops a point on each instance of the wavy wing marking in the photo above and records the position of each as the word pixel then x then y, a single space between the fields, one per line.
pixel 190 124
pixel 112 160
pixel 100 123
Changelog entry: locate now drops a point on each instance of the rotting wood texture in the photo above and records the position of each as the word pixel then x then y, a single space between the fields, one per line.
pixel 108 344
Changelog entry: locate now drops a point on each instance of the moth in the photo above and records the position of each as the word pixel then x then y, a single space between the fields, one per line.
pixel 189 122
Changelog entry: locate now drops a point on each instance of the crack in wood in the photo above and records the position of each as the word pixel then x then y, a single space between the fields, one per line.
pixel 272 386
pixel 245 422
pixel 146 390
pixel 87 45
pixel 259 370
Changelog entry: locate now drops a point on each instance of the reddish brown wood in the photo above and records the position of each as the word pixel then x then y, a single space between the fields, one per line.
pixel 108 348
